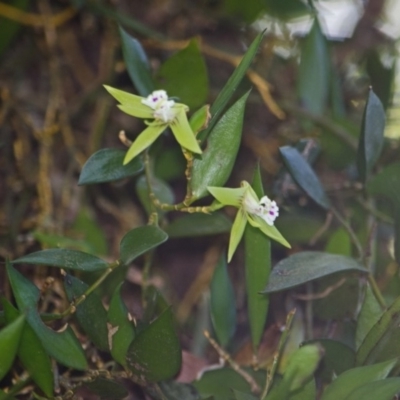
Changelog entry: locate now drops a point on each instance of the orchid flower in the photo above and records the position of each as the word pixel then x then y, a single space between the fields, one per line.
pixel 159 113
pixel 260 213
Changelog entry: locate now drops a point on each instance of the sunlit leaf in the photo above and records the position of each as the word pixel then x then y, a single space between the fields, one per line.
pixel 136 63
pixel 304 175
pixel 64 258
pixel 31 353
pixel 10 336
pixel 214 166
pixel 371 136
pixel 155 353
pixel 184 75
pixel 306 266
pixel 63 346
pixel 140 240
pixel 383 390
pixel 121 330
pixel 223 305
pixel 346 383
pixel 91 315
pixel 106 165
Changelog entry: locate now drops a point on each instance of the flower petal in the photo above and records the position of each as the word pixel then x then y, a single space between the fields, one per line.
pixel 236 233
pixel 269 230
pixel 183 132
pixel 144 140
pixel 130 103
pixel 228 196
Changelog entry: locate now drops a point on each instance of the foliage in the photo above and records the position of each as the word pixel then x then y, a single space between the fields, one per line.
pixel 86 340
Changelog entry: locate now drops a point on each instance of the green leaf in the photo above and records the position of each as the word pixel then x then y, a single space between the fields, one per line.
pixel 169 163
pixel 184 75
pixel 31 353
pixel 91 315
pixel 258 268
pixel 243 396
pixel 155 353
pixel 306 266
pixel 122 331
pixel 143 141
pixel 238 227
pixel 199 119
pixel 371 136
pixel 10 28
pixel 387 184
pixel 222 303
pixel 300 369
pixel 219 383
pixel 183 133
pixel 338 357
pixel 140 240
pixel 106 165
pixel 314 71
pixel 107 389
pixel 161 190
pixel 304 175
pixel 130 103
pixel 52 240
pixel 199 224
pixel 10 336
pixel 382 390
pixel 231 85
pixel 347 382
pixel 173 390
pixel 228 196
pixel 63 346
pixel 223 145
pixel 64 258
pixel 369 315
pixel 381 342
pixel 136 63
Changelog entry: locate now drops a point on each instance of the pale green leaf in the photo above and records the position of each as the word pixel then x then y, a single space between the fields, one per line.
pixel 228 196
pixel 236 233
pixel 183 132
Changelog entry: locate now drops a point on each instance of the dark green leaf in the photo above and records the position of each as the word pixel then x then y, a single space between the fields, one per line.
pixel 155 353
pixel 313 77
pixel 64 258
pixel 184 75
pixel 140 240
pixel 216 163
pixel 383 390
pixel 59 241
pixel 107 389
pixel 230 87
pixel 106 165
pixel 219 383
pixel 382 341
pixel 169 163
pixel 199 224
pixel 286 9
pixel 9 342
pixel 32 354
pixel 369 315
pixel 10 28
pixel 347 382
pixel 121 331
pixel 243 396
pixel 63 346
pixel 371 136
pixel 338 357
pixel 173 390
pixel 304 175
pixel 306 266
pixel 258 268
pixel 91 315
pixel 136 63
pixel 222 302
pixel 161 190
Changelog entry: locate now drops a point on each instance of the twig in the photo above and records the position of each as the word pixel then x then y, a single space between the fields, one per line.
pixel 320 295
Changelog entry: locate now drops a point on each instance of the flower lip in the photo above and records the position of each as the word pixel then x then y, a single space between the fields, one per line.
pixel 163 108
pixel 264 208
